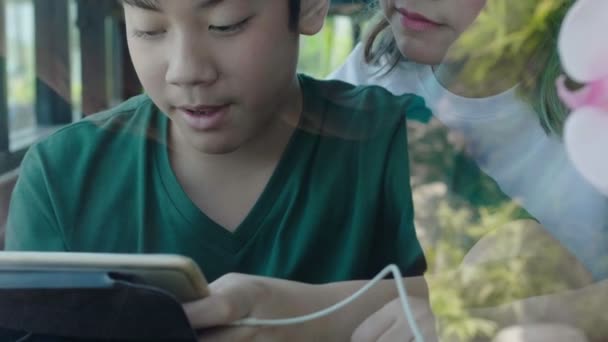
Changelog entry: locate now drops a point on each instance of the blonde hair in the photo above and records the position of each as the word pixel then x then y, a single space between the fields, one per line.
pixel 380 46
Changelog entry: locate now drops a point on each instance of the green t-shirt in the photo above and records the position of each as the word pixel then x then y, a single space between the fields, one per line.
pixel 337 207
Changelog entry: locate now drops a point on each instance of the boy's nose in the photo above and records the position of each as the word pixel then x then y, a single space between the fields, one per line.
pixel 188 67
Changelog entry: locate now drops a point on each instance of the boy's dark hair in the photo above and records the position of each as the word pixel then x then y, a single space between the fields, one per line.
pixel 294 14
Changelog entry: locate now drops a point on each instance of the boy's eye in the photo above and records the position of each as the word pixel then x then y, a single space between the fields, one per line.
pixel 229 29
pixel 149 34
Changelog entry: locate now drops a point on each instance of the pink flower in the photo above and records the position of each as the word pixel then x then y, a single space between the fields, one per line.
pixel 583 48
pixel 593 94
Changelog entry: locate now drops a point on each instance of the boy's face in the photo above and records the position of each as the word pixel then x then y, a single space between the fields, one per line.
pixel 222 70
pixel 425 29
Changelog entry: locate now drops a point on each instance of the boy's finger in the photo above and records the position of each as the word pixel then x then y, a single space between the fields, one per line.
pixel 374 326
pixel 213 311
pixel 396 333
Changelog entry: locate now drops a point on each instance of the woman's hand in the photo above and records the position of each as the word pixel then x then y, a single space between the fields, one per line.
pixel 389 324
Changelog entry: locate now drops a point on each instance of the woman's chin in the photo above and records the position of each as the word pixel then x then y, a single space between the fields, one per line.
pixel 422 55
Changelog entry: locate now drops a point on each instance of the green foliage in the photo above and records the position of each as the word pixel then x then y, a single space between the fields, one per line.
pixel 324 52
pixel 506 33
pixel 481 251
pixel 466 225
pixel 458 285
pixel 511 42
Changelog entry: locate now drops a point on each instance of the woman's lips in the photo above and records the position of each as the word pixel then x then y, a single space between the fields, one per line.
pixel 416 21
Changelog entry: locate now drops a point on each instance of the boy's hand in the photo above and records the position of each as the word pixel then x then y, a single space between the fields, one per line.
pixel 237 296
pixel 390 325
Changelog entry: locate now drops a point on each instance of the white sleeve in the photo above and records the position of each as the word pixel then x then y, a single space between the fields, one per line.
pixel 354 70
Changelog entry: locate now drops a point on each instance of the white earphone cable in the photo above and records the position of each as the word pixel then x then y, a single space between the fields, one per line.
pixel 300 319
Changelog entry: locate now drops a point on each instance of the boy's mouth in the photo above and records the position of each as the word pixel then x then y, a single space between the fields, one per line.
pixel 203 117
pixel 201 110
pixel 416 21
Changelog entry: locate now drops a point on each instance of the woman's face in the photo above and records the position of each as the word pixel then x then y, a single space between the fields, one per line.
pixel 425 29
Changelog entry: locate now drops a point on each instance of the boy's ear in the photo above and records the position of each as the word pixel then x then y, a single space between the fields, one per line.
pixel 312 16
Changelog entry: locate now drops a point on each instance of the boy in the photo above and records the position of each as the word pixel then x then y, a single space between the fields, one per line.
pixel 235 161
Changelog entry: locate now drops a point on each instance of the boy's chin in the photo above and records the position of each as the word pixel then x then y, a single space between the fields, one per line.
pixel 217 148
pixel 212 145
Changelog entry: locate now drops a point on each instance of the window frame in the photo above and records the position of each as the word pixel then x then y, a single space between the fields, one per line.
pixel 52 36
pixel 52 110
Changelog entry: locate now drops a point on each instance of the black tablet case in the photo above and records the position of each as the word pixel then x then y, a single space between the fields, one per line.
pixel 87 306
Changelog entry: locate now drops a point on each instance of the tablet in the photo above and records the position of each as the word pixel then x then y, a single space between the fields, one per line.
pixel 176 274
